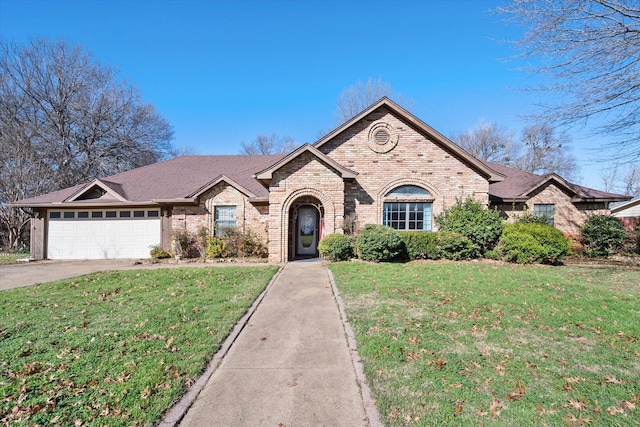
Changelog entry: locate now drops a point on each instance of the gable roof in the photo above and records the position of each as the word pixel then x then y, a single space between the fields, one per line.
pixel 176 180
pixel 266 175
pixel 519 185
pixel 422 127
pixel 620 207
pixel 109 193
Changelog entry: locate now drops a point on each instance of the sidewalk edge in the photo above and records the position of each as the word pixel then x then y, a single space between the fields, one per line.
pixel 370 409
pixel 177 412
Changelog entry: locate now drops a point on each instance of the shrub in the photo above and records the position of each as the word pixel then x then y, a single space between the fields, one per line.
pixel 601 234
pixel 380 243
pixel 243 244
pixel 525 243
pixel 421 245
pixel 157 252
pixel 215 247
pixel 481 226
pixel 337 247
pixel 529 218
pixel 188 244
pixel 455 246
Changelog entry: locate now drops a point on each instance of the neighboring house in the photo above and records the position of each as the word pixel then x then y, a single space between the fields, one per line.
pixel 384 166
pixel 627 212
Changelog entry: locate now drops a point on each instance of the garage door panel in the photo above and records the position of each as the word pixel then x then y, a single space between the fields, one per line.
pixel 102 238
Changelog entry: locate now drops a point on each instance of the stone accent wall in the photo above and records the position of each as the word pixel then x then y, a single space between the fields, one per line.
pixel 568 217
pixel 248 216
pixel 304 177
pixel 414 160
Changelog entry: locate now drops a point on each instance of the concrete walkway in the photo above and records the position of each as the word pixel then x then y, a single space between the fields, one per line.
pixel 290 365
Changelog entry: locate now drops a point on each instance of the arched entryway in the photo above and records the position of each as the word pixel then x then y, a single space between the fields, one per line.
pixel 306 227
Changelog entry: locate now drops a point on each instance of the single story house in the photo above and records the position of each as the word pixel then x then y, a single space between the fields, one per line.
pixel 384 166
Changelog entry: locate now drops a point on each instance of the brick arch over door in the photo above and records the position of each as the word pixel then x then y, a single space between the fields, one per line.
pixel 329 215
pixel 435 193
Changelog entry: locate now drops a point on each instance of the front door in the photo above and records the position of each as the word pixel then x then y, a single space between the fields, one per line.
pixel 307 231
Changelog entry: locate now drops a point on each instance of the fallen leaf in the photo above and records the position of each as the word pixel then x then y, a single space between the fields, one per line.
pixel 578 405
pixel 145 393
pixel 613 380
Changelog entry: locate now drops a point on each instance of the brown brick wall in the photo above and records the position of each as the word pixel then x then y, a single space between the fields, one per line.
pixel 567 216
pixel 415 160
pixel 304 178
pixel 248 216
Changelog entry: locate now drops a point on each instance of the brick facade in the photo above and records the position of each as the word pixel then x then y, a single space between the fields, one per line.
pixel 406 154
pixel 567 215
pixel 249 217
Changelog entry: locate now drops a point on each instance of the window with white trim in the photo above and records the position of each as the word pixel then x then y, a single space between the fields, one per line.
pixel 544 211
pixel 408 207
pixel 225 218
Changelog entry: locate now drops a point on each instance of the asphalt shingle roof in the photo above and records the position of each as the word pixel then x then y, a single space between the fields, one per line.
pixel 177 178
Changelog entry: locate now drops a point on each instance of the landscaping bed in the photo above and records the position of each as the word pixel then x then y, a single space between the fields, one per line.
pixel 488 343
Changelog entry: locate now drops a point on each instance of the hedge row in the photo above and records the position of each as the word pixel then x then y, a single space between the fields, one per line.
pixel 519 243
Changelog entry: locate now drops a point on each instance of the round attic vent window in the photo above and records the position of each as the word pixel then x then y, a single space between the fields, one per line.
pixel 382 137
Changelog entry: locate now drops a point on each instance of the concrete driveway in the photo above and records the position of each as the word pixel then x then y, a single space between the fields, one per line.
pixel 30 273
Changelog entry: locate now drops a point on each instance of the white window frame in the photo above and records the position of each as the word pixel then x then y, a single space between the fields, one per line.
pixel 408 208
pixel 225 217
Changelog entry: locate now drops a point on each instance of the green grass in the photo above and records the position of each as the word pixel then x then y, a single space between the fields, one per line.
pixel 468 343
pixel 11 258
pixel 115 348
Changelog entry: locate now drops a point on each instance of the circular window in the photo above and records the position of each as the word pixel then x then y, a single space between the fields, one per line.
pixel 382 137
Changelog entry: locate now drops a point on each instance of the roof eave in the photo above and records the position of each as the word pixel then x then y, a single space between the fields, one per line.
pixel 216 181
pixel 476 164
pixel 265 176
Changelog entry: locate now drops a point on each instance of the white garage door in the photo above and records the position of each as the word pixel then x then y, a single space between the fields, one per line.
pixel 82 234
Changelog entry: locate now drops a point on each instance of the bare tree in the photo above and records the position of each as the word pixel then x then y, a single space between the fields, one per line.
pixel 489 141
pixel 631 180
pixel 269 144
pixel 590 52
pixel 359 96
pixel 625 181
pixel 546 151
pixel 66 119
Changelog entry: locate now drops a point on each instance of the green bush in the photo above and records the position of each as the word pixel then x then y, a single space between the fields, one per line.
pixel 455 246
pixel 601 234
pixel 215 247
pixel 337 247
pixel 525 243
pixel 380 243
pixel 421 245
pixel 529 218
pixel 243 244
pixel 157 252
pixel 188 243
pixel 483 227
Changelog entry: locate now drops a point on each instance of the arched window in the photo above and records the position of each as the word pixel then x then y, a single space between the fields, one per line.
pixel 408 207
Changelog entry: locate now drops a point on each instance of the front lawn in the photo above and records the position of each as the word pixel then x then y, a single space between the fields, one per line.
pixel 481 343
pixel 115 348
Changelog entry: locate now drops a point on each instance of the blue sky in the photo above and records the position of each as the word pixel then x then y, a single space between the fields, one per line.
pixel 222 72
